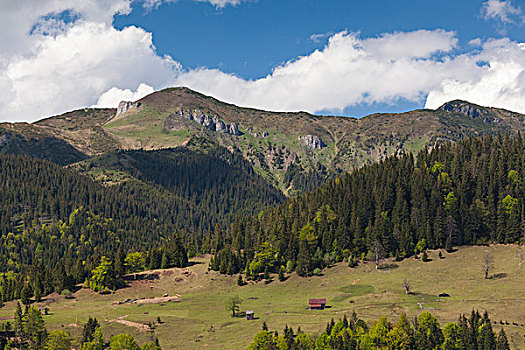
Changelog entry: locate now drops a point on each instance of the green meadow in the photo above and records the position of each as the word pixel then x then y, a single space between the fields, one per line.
pixel 200 320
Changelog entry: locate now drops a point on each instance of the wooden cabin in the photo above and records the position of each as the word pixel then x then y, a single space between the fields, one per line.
pixel 250 315
pixel 316 304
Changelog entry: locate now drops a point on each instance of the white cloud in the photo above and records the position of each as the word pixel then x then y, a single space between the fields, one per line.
pixel 317 38
pixel 500 83
pixel 418 66
pixel 70 65
pixel 56 61
pixel 154 4
pixel 223 3
pixel 112 97
pixel 501 10
pixel 475 42
pixel 347 71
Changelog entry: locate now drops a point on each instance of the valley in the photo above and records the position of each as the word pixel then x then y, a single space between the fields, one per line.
pixel 200 321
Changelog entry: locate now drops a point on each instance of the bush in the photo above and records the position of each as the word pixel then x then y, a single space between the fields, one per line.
pixel 317 271
pixel 281 276
pixel 425 256
pixel 289 266
pixel 240 281
pixel 67 294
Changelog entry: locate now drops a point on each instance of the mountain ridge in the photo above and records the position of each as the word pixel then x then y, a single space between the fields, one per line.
pixel 273 142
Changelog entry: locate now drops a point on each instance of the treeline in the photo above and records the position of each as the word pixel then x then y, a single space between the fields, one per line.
pixel 467 193
pixel 28 331
pixel 469 333
pixel 86 248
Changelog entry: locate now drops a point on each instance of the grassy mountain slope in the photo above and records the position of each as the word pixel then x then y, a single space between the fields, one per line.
pixel 274 143
pixel 199 320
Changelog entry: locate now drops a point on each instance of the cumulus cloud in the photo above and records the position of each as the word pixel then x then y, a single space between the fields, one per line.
pixel 69 56
pixel 417 66
pixel 347 71
pixel 66 62
pixel 501 10
pixel 113 96
pixel 498 83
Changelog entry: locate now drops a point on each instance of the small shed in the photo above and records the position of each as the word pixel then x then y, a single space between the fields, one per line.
pixel 316 304
pixel 250 315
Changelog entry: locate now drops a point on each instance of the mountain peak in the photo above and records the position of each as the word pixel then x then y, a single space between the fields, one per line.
pixel 466 108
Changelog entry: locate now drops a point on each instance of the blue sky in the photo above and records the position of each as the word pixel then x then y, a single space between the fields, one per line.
pixel 251 39
pixel 350 57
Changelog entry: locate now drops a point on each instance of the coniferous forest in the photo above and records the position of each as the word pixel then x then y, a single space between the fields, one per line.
pixel 58 226
pixel 468 193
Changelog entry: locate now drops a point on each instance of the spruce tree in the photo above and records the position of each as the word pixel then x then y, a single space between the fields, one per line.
pixel 502 343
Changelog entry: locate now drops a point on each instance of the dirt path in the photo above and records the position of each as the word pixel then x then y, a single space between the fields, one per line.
pixel 139 326
pixel 155 300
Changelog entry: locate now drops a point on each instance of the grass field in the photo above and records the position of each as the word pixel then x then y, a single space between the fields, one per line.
pixel 200 320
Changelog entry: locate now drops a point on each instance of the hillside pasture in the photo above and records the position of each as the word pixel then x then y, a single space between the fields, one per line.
pixel 198 319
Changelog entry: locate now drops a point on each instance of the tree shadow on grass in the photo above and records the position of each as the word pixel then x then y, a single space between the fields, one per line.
pixel 498 276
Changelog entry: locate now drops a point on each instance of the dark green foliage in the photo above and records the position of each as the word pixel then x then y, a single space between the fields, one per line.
pixel 425 256
pixel 88 332
pixel 50 148
pixel 471 192
pixel 502 343
pixel 29 329
pixel 304 180
pixel 281 276
pixel 55 225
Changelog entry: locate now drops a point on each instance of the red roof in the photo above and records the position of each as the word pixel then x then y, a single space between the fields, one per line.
pixel 316 305
pixel 317 301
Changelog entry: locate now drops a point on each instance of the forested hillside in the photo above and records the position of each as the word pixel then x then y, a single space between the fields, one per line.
pixel 467 193
pixel 54 220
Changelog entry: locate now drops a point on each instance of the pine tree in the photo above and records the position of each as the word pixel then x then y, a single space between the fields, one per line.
pixel 266 275
pixel 502 343
pixel 281 276
pixel 25 295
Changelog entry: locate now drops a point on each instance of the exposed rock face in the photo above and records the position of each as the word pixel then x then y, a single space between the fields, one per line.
pixel 125 106
pixel 312 142
pixel 4 139
pixel 463 108
pixel 219 125
pixel 234 130
pixel 212 123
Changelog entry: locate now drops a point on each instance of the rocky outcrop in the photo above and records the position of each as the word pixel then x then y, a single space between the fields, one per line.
pixel 464 108
pixel 312 142
pixel 4 139
pixel 234 129
pixel 210 122
pixel 125 106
